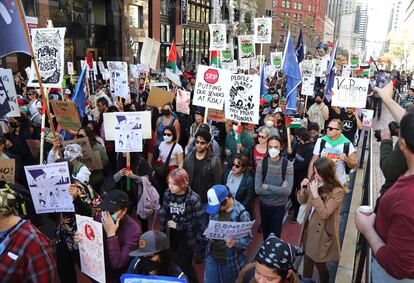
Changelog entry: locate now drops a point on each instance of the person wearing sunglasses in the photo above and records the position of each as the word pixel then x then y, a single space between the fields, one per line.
pixel 260 149
pixel 240 182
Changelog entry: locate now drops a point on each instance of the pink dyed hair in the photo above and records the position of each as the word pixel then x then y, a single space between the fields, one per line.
pixel 179 177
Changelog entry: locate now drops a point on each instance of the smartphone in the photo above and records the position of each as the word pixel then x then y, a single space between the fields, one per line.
pixel 383 78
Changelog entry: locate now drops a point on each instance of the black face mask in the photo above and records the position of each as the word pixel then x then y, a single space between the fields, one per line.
pixel 145 266
pixel 165 112
pixel 318 101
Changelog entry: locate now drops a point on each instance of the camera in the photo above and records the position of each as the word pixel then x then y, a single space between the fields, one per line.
pixel 393 126
pixel 383 78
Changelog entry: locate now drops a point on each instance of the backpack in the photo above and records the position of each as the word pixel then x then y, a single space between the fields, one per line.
pixel 346 151
pixel 265 164
pixel 149 203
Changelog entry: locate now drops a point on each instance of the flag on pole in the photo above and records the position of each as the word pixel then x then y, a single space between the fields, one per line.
pixel 80 93
pixel 300 52
pixel 172 58
pixel 330 73
pixel 290 66
pixel 363 70
pixel 13 37
pixel 215 58
pixel 263 87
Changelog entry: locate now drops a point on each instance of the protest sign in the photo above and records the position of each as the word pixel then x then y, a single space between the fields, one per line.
pixel 88 157
pixel 133 69
pixel 276 59
pixel 253 63
pixel 49 187
pixel 164 86
pixel 227 55
pixel 212 85
pixel 321 66
pixel 70 68
pixel 173 77
pixel 260 59
pixel 368 116
pixel 346 70
pixel 216 115
pixel 49 49
pixel 220 230
pixel 354 60
pixel 262 28
pixel 149 52
pixel 137 278
pixel 183 101
pixel 34 147
pixel 118 78
pixel 101 67
pixel 66 114
pixel 128 132
pixel 244 63
pixel 243 102
pixel 218 36
pixel 143 69
pixel 270 71
pixel 231 67
pixel 308 85
pixel 247 48
pixel 110 122
pixel 91 247
pixel 8 95
pixel 307 68
pixel 7 170
pixel 350 92
pixel 159 97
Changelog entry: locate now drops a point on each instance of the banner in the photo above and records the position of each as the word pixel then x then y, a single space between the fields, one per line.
pixel 88 157
pixel 218 36
pixel 10 98
pixel 49 50
pixel 307 69
pixel 350 92
pixel 262 28
pixel 128 132
pixel 346 70
pixel 276 59
pixel 368 116
pixel 183 101
pixel 119 78
pixel 159 97
pixel 136 278
pixel 49 187
pixel 243 102
pixel 149 52
pixel 110 122
pixel 220 230
pixel 34 147
pixel 354 60
pixel 227 55
pixel 212 85
pixel 308 86
pixel 247 48
pixel 7 170
pixel 66 114
pixel 91 248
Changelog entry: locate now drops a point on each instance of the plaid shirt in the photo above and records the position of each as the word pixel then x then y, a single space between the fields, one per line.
pixel 407 101
pixel 27 257
pixel 236 258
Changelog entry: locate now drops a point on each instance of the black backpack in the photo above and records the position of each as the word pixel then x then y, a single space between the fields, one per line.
pixel 265 164
pixel 346 151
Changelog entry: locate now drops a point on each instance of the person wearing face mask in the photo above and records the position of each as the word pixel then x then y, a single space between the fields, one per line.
pixel 241 143
pixel 166 119
pixel 318 112
pixel 72 153
pixel 280 124
pixel 320 230
pixel 269 123
pixel 273 184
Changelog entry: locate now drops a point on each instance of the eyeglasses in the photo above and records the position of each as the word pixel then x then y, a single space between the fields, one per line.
pixel 236 165
pixel 331 128
pixel 168 135
pixel 262 137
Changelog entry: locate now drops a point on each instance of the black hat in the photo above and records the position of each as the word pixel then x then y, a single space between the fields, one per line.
pixel 151 242
pixel 199 111
pixel 114 201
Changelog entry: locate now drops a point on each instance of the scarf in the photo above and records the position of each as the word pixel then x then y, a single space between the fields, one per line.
pixel 341 140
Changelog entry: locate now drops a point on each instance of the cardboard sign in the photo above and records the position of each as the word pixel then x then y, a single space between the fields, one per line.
pixel 137 278
pixel 276 59
pixel 8 170
pixel 308 86
pixel 164 86
pixel 118 78
pixel 70 68
pixel 149 53
pixel 183 101
pixel 220 230
pixel 49 187
pixel 66 114
pixel 49 49
pixel 368 116
pixel 88 157
pixel 216 115
pixel 243 102
pixel 247 48
pixel 307 68
pixel 350 92
pixel 34 147
pixel 227 55
pixel 8 94
pixel 128 132
pixel 262 28
pixel 218 36
pixel 91 248
pixel 159 97
pixel 110 123
pixel 212 85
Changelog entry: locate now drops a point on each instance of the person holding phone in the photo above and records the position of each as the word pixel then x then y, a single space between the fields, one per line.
pixel 320 230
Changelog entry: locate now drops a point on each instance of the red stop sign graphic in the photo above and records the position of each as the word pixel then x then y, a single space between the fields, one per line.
pixel 211 76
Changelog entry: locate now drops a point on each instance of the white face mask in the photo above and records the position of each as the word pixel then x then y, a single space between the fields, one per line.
pixel 70 155
pixel 273 152
pixel 269 123
pixel 235 127
pixel 167 138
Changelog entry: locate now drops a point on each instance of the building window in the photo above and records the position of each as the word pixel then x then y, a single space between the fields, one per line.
pixel 295 17
pixel 236 15
pixel 284 4
pixel 295 5
pixel 299 6
pixel 299 18
pixel 310 8
pixel 282 38
pixel 288 4
pixel 273 3
pixel 136 16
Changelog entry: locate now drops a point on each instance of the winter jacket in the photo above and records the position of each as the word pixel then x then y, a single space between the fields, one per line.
pixel 245 193
pixel 392 163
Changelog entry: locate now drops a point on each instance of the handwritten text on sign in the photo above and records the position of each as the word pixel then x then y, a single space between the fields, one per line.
pixel 221 230
pixel 350 92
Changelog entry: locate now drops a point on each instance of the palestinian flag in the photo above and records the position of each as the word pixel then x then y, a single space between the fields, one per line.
pixel 292 123
pixel 172 58
pixel 363 70
pixel 215 59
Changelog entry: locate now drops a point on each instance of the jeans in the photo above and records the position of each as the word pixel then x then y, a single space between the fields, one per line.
pixel 204 223
pixel 379 275
pixel 271 218
pixel 214 272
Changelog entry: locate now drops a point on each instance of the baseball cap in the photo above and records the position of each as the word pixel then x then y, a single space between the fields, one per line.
pixel 114 201
pixel 151 242
pixel 216 196
pixel 8 202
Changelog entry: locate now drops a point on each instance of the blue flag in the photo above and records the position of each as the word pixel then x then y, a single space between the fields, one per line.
pixel 263 87
pixel 300 51
pixel 330 73
pixel 13 38
pixel 80 93
pixel 290 66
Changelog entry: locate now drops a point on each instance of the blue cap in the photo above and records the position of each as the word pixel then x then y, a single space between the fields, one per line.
pixel 216 196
